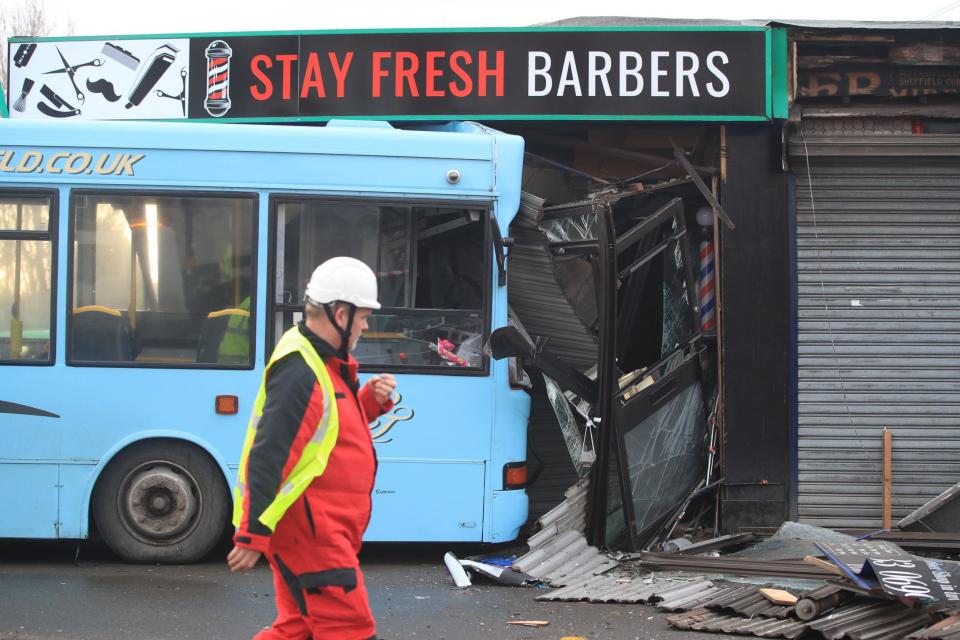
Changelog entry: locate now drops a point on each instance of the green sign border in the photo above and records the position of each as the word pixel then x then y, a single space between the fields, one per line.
pixel 775 72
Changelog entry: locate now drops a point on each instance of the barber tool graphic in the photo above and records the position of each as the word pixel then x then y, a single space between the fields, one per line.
pixel 21 103
pixel 71 71
pixel 121 55
pixel 150 72
pixel 60 109
pixel 217 101
pixel 24 53
pixel 182 96
pixel 104 88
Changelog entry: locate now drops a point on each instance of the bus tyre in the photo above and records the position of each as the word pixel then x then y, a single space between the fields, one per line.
pixel 161 501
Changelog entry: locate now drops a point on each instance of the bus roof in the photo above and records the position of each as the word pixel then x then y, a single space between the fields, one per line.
pixel 343 156
pixel 364 137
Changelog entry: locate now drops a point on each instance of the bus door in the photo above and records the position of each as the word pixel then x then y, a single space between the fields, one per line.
pixel 435 290
pixel 31 403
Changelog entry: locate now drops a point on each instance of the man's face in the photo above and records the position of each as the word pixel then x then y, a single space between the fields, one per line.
pixel 359 323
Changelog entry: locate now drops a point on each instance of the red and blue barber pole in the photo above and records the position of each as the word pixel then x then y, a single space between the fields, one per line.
pixel 708 303
pixel 707 285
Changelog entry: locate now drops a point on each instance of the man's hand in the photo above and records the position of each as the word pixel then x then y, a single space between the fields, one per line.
pixel 241 559
pixel 382 387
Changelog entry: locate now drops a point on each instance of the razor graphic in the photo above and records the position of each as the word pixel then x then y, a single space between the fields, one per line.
pixel 71 71
pixel 60 109
pixel 24 53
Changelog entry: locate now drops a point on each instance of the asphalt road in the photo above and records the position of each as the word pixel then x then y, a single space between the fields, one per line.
pixel 62 590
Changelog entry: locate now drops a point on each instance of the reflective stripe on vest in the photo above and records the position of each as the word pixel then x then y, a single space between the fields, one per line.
pixel 316 453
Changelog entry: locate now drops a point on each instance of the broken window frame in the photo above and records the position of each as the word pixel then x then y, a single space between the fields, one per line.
pixel 611 442
pixel 638 408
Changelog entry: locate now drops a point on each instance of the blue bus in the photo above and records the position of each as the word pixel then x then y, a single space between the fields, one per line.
pixel 147 270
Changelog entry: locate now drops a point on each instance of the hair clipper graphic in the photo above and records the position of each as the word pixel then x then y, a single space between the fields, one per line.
pixel 150 73
pixel 217 101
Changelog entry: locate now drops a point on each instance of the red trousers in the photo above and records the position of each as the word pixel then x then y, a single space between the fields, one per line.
pixel 327 612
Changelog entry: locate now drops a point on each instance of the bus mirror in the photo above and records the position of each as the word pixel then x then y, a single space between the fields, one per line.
pixel 508 341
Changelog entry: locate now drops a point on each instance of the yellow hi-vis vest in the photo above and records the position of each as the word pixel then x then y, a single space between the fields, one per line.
pixel 316 453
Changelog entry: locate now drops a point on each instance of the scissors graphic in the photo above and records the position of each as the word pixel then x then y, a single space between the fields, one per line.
pixel 70 70
pixel 182 96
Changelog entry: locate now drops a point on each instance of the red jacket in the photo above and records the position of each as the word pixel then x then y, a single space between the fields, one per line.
pixel 332 514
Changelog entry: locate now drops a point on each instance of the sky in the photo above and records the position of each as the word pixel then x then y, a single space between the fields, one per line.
pixel 110 17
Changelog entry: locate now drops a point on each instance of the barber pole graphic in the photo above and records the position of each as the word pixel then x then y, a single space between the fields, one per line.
pixel 708 305
pixel 217 102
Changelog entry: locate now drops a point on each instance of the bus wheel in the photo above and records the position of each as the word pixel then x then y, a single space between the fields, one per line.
pixel 161 501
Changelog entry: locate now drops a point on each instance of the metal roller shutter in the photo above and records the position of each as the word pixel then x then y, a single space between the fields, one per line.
pixel 878 280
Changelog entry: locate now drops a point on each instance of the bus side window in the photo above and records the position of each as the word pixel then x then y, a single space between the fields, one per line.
pixel 26 259
pixel 162 279
pixel 432 268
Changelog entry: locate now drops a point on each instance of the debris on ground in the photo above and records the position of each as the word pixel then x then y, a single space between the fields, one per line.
pixel 801 581
pixel 529 623
pixel 457 572
pixel 499 574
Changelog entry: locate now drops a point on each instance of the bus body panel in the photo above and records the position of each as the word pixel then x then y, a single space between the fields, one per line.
pixel 442 449
pixel 79 477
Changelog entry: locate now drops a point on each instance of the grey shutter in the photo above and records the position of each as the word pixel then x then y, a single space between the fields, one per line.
pixel 878 253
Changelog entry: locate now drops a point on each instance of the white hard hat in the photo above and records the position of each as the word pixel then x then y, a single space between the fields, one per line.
pixel 346 279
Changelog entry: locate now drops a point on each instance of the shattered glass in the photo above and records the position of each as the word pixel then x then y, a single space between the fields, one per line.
pixel 677 312
pixel 571 228
pixel 568 423
pixel 666 457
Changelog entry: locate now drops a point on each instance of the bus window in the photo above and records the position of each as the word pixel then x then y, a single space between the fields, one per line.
pixel 26 259
pixel 162 279
pixel 432 270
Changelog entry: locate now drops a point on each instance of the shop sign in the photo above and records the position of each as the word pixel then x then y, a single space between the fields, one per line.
pixel 878 80
pixel 602 73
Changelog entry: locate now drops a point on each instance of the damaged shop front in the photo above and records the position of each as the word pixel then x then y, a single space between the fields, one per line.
pixel 630 238
pixel 606 297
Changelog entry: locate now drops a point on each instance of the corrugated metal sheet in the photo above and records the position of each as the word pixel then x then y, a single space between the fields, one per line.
pixel 617 589
pixel 559 552
pixel 880 621
pixel 946 629
pixel 878 278
pixel 731 612
pixel 707 620
pixel 546 438
pixel 538 300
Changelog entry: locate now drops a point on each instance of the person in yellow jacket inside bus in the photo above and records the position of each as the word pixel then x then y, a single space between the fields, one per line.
pixel 308 465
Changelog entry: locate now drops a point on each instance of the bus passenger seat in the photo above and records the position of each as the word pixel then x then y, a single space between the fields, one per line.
pixel 225 337
pixel 100 334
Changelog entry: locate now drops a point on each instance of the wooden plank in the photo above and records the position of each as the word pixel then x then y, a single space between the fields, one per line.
pixel 823 564
pixel 887 478
pixel 779 596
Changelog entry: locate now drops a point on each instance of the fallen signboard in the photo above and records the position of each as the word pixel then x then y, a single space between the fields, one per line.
pixel 873 564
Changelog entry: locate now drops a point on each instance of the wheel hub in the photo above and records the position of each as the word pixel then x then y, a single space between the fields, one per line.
pixel 161 502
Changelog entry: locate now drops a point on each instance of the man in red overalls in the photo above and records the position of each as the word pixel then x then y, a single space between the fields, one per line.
pixel 308 466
